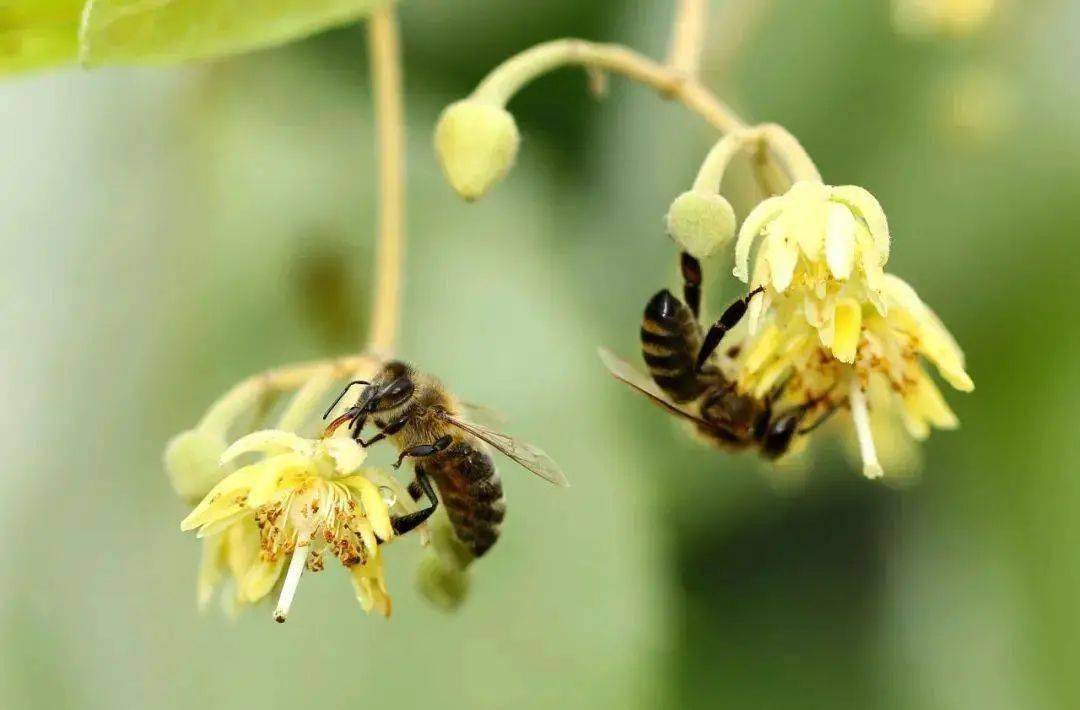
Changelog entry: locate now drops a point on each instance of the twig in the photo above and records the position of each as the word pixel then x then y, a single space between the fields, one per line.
pixel 384 48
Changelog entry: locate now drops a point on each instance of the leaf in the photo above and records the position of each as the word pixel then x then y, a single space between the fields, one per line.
pixel 169 31
pixel 38 33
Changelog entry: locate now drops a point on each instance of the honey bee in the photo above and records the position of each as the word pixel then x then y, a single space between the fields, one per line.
pixel 685 380
pixel 425 422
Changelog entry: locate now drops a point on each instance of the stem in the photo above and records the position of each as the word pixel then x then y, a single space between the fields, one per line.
pixel 687 37
pixel 384 48
pixel 509 77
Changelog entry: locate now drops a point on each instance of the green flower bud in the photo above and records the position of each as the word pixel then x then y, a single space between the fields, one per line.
pixel 700 222
pixel 476 144
pixel 191 460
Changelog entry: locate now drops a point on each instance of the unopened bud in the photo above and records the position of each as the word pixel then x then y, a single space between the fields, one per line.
pixel 700 222
pixel 476 144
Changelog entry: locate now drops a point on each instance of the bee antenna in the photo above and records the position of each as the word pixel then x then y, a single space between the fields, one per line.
pixel 343 393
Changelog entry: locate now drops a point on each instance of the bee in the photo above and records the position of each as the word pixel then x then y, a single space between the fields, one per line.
pixel 685 380
pixel 424 421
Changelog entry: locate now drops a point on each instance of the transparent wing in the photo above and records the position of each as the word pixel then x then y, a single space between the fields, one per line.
pixel 625 372
pixel 524 454
pixel 484 413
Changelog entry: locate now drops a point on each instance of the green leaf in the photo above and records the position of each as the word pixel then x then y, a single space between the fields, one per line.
pixel 38 33
pixel 169 31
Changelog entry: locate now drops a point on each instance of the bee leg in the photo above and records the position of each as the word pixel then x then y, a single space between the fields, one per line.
pixel 728 320
pixel 424 449
pixel 404 523
pixel 389 430
pixel 415 491
pixel 821 420
pixel 691 274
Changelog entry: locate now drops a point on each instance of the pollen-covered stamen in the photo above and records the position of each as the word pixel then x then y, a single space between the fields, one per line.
pixel 861 415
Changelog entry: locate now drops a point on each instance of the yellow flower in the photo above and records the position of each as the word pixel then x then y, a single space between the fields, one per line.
pixel 304 498
pixel 823 250
pixel 829 323
pixel 890 346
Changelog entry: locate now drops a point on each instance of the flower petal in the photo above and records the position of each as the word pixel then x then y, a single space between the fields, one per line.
pixel 269 441
pixel 374 506
pixel 847 327
pixel 755 222
pixel 260 579
pixel 840 241
pixel 867 207
pixel 348 455
pixel 782 257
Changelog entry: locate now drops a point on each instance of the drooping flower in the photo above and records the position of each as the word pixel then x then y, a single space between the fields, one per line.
pixel 303 499
pixel 830 324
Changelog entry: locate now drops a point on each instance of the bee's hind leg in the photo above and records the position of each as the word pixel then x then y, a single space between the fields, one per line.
pixel 404 523
pixel 728 320
pixel 691 274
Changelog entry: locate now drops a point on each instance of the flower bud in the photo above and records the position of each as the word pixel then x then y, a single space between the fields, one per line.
pixel 445 586
pixel 476 144
pixel 191 460
pixel 700 222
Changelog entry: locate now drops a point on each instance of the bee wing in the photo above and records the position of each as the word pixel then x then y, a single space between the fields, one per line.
pixel 526 455
pixel 625 372
pixel 484 413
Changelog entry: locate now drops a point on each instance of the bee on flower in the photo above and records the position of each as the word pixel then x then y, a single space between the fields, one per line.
pixel 303 500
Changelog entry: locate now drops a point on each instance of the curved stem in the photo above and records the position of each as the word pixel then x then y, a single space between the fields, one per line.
pixel 384 48
pixel 687 37
pixel 509 77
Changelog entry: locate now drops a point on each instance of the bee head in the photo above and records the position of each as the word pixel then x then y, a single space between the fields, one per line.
pixel 390 389
pixel 780 432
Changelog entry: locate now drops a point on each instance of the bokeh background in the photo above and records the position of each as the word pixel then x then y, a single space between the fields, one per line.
pixel 167 232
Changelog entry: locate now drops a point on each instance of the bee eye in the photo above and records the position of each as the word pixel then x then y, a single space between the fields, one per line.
pixel 398 391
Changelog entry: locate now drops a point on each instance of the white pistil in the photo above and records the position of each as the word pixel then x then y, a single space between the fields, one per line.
pixel 859 412
pixel 292 579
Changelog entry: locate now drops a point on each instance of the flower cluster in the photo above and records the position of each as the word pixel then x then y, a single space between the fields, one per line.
pixel 830 325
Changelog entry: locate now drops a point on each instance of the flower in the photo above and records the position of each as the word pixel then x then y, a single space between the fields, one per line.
pixel 830 324
pixel 303 498
pixel 823 251
pixel 476 143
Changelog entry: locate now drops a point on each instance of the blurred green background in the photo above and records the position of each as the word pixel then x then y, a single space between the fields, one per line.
pixel 167 232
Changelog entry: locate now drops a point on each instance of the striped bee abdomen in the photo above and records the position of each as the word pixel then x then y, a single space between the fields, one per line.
pixel 670 339
pixel 472 493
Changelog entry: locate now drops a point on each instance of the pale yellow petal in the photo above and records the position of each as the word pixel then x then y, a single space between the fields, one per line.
pixel 840 241
pixel 225 499
pixel 370 587
pixel 762 349
pixel 755 222
pixel 374 505
pixel 782 257
pixel 935 341
pixel 847 327
pixel 269 441
pixel 348 455
pixel 866 206
pixel 260 579
pixel 210 568
pixel 770 376
pixel 243 547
